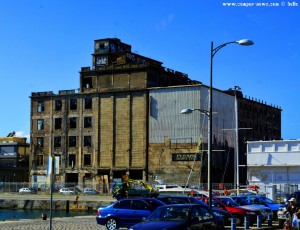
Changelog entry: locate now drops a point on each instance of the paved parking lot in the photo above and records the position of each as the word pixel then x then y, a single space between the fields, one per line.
pixel 67 223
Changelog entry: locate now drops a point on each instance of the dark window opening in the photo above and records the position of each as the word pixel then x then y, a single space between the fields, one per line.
pixel 87 159
pixel 40 124
pixel 73 104
pixel 72 141
pixel 87 82
pixel 87 141
pixel 72 160
pixel 72 121
pixel 57 123
pixel 40 160
pixel 58 105
pixel 41 106
pixel 87 103
pixel 40 141
pixel 57 141
pixel 87 122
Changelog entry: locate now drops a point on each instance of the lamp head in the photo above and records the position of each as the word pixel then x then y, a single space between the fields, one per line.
pixel 186 111
pixel 245 42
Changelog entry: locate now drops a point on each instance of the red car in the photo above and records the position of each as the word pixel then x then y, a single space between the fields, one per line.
pixel 239 212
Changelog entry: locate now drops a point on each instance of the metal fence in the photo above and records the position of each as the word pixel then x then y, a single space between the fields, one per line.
pixel 44 188
pixel 281 191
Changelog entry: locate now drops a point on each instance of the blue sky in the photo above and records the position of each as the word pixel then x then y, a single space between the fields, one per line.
pixel 44 44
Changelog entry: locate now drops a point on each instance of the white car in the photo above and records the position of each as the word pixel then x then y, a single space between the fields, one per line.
pixel 65 191
pixel 24 190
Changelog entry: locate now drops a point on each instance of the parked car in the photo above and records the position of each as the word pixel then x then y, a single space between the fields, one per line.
pixel 181 216
pixel 192 200
pixel 126 212
pixel 282 209
pixel 265 211
pixel 24 190
pixel 90 191
pixel 66 191
pixel 239 212
pixel 262 200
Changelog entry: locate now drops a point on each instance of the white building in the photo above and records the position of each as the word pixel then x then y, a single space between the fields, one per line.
pixel 274 163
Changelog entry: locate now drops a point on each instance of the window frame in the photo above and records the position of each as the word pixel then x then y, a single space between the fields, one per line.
pixel 40 124
pixel 72 140
pixel 87 122
pixel 73 104
pixel 57 139
pixel 41 106
pixel 58 105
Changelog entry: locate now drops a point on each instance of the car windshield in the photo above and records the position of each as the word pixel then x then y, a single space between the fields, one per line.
pixel 241 201
pixel 179 213
pixel 267 200
pixel 229 202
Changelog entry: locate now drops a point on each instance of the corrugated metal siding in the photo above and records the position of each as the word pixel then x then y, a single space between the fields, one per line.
pixel 167 121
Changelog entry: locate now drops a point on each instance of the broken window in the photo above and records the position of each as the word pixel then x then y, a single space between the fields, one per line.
pixel 87 141
pixel 57 123
pixel 40 141
pixel 40 160
pixel 57 141
pixel 87 159
pixel 72 160
pixel 73 104
pixel 87 103
pixel 87 122
pixel 87 82
pixel 72 141
pixel 41 106
pixel 40 124
pixel 58 105
pixel 72 123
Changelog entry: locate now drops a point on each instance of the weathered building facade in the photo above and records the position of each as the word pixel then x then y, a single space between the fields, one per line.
pixel 125 119
pixel 101 131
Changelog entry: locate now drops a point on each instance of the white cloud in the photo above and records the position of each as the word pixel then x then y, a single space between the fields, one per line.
pixel 22 134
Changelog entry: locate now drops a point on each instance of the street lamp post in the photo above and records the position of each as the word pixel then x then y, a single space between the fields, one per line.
pixel 213 51
pixel 244 42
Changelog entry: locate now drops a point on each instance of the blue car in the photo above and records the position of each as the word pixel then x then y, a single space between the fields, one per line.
pixel 126 212
pixel 181 217
pixel 265 211
pixel 177 199
pixel 262 200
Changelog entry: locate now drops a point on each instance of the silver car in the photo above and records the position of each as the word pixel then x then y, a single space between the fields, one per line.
pixel 65 191
pixel 24 190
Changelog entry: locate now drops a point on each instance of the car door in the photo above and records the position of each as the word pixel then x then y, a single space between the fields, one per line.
pixel 122 211
pixel 140 209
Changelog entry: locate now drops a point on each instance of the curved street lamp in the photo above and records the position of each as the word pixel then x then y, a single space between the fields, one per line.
pixel 209 113
pixel 243 42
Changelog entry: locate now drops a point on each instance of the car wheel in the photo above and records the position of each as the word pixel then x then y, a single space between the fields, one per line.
pixel 111 224
pixel 281 223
